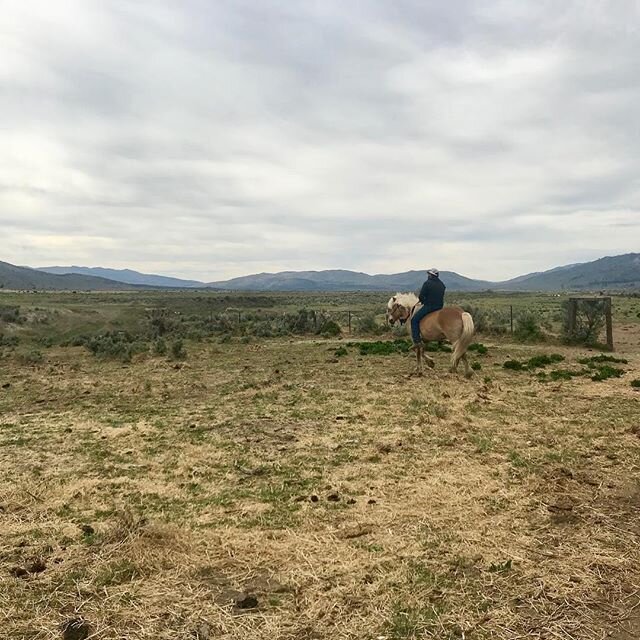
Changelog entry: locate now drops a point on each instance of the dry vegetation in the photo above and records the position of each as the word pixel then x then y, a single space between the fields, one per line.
pixel 274 489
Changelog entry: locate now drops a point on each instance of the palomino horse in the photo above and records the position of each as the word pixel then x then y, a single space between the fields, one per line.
pixel 452 323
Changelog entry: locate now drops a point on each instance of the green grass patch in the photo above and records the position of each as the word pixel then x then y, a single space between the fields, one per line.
pixel 636 383
pixel 605 372
pixel 384 348
pixel 479 348
pixel 594 361
pixel 514 365
pixel 543 360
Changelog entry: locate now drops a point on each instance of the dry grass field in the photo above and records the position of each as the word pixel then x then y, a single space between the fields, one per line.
pixel 272 489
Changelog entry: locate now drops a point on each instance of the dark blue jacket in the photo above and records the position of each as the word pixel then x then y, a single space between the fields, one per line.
pixel 432 294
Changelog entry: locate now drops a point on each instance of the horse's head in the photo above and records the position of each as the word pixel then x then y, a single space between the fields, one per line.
pixel 396 311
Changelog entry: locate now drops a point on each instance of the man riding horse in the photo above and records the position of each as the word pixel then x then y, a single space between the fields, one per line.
pixel 432 299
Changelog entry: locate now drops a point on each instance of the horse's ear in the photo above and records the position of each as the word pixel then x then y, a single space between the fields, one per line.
pixel 394 298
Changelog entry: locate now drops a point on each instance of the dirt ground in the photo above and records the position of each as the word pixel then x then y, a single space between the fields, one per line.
pixel 278 490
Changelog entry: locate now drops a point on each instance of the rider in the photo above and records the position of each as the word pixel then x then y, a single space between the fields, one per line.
pixel 432 299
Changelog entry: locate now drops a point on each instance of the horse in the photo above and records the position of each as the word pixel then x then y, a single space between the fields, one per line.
pixel 452 323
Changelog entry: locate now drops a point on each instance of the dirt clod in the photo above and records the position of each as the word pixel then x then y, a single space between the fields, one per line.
pixel 38 565
pixel 18 572
pixel 246 601
pixel 333 497
pixel 76 629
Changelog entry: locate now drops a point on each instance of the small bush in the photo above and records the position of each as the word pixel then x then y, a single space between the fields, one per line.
pixel 476 366
pixel 178 352
pixel 514 365
pixel 368 325
pixel 113 344
pixel 330 329
pixel 31 357
pixel 341 351
pixel 528 329
pixel 160 347
pixel 636 383
pixel 8 341
pixel 10 315
pixel 590 319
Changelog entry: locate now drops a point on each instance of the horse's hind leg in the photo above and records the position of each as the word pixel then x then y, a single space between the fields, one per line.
pixel 468 372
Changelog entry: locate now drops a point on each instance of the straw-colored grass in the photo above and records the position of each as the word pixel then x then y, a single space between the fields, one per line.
pixel 342 496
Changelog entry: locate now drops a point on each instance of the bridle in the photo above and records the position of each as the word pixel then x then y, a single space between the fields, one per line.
pixel 403 321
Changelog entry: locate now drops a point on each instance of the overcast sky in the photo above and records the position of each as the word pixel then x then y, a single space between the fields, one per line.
pixel 211 139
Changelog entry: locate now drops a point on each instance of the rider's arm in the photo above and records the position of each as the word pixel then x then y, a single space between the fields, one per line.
pixel 424 293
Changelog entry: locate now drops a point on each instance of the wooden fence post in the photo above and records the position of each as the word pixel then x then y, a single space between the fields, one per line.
pixel 573 313
pixel 608 315
pixel 511 310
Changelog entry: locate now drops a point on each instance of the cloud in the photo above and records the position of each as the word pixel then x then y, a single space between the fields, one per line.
pixel 212 140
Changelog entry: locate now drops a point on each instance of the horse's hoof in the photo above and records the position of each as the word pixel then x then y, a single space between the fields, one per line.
pixel 468 375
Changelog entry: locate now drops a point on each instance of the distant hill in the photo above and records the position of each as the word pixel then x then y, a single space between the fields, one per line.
pixel 124 275
pixel 613 273
pixel 610 273
pixel 12 277
pixel 341 280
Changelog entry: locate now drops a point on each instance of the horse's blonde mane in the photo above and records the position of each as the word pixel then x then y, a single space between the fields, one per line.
pixel 407 300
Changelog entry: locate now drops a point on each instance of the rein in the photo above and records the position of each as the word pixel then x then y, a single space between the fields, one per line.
pixel 404 320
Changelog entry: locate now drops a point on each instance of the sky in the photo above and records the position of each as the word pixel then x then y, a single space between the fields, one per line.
pixel 210 140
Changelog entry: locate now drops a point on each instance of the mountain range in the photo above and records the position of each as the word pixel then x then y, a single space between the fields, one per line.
pixel 610 273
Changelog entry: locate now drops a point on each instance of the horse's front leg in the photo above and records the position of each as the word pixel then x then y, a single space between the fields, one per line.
pixel 419 352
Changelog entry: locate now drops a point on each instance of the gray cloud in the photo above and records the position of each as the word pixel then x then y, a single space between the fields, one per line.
pixel 215 139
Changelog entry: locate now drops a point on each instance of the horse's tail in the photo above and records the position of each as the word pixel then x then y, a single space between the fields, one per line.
pixel 466 337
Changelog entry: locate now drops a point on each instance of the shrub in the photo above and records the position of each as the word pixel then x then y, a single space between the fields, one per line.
pixel 8 341
pixel 178 352
pixel 160 347
pixel 10 315
pixel 527 328
pixel 514 365
pixel 368 325
pixel 120 345
pixel 636 383
pixel 31 357
pixel 476 366
pixel 341 351
pixel 590 319
pixel 330 328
